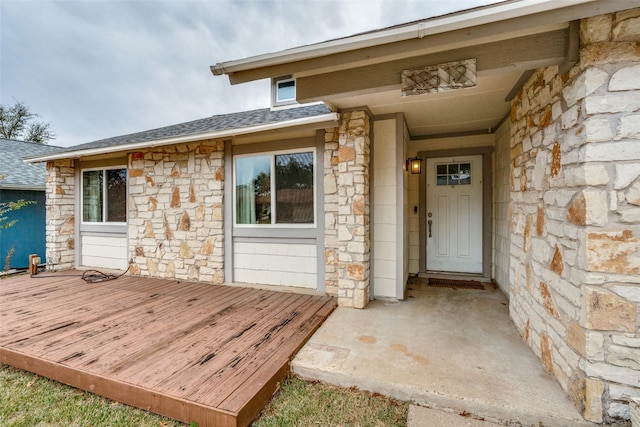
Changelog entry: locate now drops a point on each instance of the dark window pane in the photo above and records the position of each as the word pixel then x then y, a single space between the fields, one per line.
pixel 253 190
pixel 442 180
pixel 92 196
pixel 116 195
pixel 294 188
pixel 453 169
pixel 441 169
pixel 465 173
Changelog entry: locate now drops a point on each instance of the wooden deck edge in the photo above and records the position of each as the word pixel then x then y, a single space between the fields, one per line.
pixel 253 408
pixel 323 312
pixel 129 394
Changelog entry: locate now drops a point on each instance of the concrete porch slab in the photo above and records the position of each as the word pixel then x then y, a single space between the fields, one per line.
pixel 453 349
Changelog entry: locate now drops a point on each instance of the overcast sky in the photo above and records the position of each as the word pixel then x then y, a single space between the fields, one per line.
pixel 96 69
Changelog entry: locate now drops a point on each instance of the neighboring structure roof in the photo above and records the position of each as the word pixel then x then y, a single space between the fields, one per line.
pixel 220 126
pixel 16 175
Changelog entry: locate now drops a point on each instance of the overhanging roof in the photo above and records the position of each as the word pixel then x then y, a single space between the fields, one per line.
pixel 514 17
pixel 507 41
pixel 215 127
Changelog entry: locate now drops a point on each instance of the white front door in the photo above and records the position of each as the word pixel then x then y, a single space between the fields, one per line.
pixel 454 214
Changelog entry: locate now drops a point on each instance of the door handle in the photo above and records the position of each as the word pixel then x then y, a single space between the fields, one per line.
pixel 429 223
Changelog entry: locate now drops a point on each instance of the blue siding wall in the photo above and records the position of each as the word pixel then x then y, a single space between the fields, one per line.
pixel 28 234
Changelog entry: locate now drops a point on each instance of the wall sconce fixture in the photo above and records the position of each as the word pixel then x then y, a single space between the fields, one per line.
pixel 414 165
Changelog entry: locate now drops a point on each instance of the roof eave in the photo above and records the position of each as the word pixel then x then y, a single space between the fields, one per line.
pixel 324 120
pixel 473 17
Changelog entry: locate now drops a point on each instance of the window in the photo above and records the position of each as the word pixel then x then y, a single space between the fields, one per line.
pixel 453 174
pixel 284 91
pixel 289 174
pixel 104 195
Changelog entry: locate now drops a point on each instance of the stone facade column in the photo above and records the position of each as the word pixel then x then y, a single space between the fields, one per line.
pixel 331 246
pixel 354 242
pixel 608 210
pixel 60 228
pixel 575 217
pixel 176 227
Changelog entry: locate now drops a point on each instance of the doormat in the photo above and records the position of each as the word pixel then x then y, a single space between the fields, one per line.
pixel 460 284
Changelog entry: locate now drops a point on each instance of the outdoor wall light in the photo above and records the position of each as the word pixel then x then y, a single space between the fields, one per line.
pixel 414 165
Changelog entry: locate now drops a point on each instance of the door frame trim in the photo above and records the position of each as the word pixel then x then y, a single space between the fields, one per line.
pixel 487 203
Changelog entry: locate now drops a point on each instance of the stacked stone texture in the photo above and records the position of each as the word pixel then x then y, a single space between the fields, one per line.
pixel 60 228
pixel 575 217
pixel 331 246
pixel 176 212
pixel 354 243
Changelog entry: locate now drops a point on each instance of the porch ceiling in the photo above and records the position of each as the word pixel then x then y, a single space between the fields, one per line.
pixel 465 110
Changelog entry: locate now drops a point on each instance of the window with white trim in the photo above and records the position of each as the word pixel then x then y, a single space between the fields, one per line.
pixel 275 188
pixel 283 91
pixel 104 195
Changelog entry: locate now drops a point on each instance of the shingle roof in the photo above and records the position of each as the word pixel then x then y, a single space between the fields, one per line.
pixel 221 122
pixel 16 174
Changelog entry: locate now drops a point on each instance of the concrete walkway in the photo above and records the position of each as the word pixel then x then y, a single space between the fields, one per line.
pixel 451 349
pixel 420 416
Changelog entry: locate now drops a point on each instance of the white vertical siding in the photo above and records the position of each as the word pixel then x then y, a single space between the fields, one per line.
pixel 104 251
pixel 405 208
pixel 501 197
pixel 384 209
pixel 283 264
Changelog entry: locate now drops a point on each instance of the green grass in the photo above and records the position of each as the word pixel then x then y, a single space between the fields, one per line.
pixel 28 400
pixel 301 403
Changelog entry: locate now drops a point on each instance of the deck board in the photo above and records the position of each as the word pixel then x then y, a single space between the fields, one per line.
pixel 191 351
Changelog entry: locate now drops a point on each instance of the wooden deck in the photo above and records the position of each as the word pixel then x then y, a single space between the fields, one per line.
pixel 189 351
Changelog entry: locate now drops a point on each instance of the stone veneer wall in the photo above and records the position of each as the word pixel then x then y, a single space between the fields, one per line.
pixel 346 201
pixel 60 228
pixel 331 246
pixel 176 212
pixel 575 220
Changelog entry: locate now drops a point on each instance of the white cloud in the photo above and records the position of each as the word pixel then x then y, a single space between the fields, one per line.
pixel 96 69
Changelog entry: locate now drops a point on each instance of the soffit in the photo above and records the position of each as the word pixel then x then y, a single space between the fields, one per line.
pixel 465 110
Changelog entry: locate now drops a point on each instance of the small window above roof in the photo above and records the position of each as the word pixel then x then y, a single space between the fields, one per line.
pixel 283 91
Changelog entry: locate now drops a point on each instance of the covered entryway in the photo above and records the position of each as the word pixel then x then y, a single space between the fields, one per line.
pixel 434 88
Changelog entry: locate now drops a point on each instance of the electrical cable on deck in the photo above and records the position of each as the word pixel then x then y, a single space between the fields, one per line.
pixel 95 276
